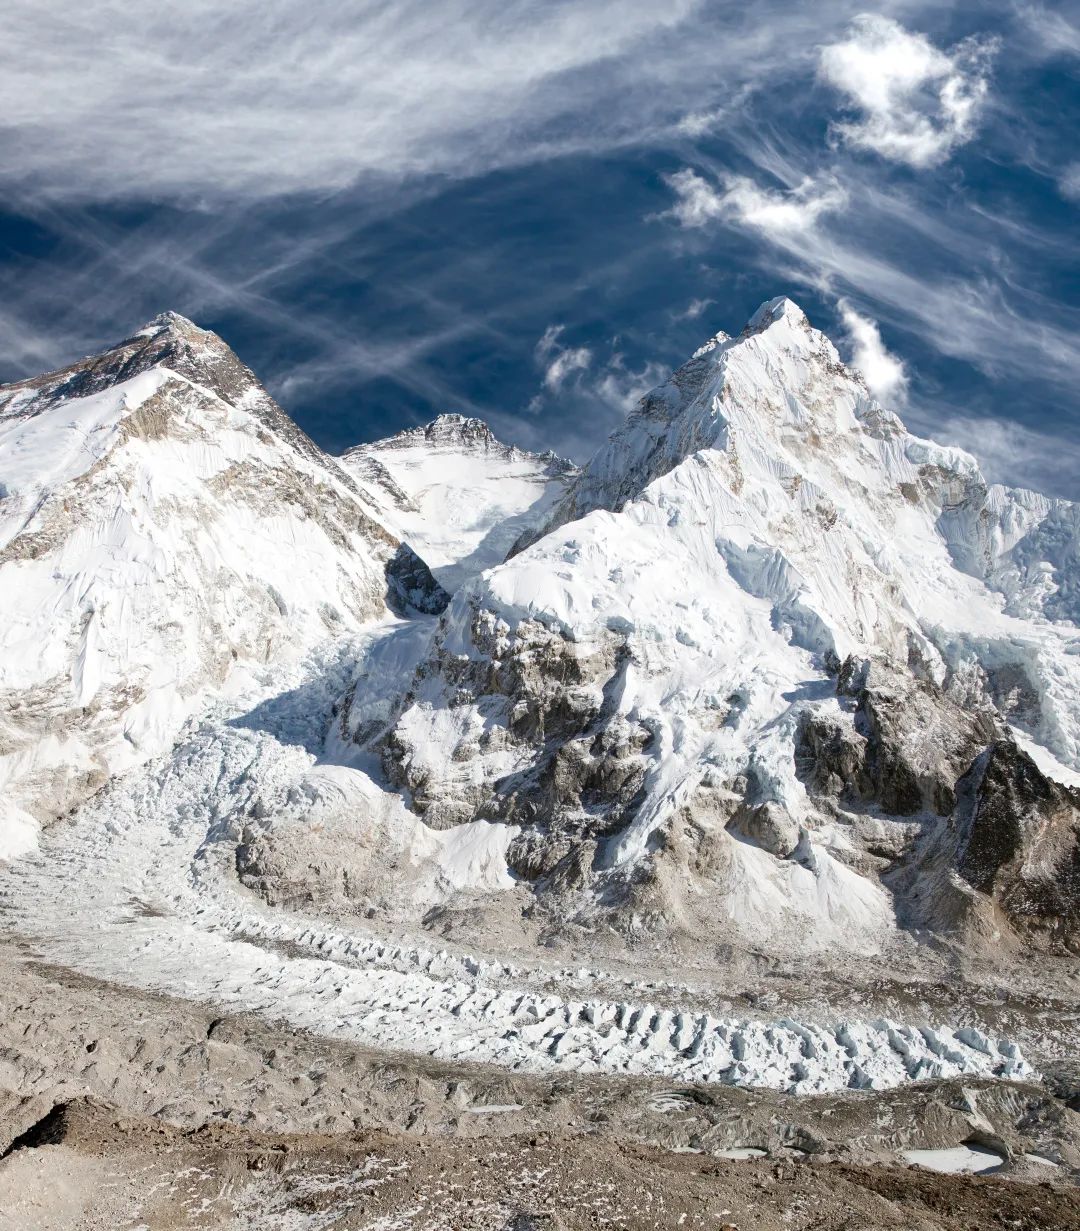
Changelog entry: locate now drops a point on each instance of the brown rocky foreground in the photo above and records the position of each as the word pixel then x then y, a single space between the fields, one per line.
pixel 126 1110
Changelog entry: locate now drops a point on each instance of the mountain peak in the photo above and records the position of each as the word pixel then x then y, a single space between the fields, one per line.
pixel 449 430
pixel 458 432
pixel 172 321
pixel 773 311
pixel 452 428
pixel 169 340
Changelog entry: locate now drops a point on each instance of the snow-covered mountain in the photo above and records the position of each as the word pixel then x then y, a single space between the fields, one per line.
pixel 769 675
pixel 457 494
pixel 165 531
pixel 767 656
pixel 773 662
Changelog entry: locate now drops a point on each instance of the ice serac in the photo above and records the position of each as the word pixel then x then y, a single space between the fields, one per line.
pixel 457 493
pixel 768 659
pixel 164 526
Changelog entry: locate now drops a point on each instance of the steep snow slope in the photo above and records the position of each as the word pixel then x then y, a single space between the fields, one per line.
pixel 756 667
pixel 163 526
pixel 457 494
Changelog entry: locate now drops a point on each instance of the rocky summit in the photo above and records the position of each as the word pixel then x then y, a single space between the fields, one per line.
pixel 444 781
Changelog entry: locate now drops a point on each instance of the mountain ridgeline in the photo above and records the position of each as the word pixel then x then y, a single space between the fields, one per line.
pixel 767 668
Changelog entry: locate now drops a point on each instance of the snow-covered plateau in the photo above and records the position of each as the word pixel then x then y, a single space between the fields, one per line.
pixel 744 754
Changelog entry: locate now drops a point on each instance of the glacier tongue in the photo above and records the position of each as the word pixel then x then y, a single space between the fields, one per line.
pixel 159 907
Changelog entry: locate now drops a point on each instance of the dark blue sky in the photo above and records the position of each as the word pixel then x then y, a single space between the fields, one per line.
pixel 531 213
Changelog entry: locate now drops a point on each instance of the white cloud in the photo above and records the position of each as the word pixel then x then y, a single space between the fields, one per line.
pixel 621 388
pixel 694 309
pixel 885 375
pixel 565 364
pixel 918 102
pixel 742 201
pixel 1069 183
pixel 560 362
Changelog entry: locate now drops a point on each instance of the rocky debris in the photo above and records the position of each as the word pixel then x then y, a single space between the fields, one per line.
pixel 131 1172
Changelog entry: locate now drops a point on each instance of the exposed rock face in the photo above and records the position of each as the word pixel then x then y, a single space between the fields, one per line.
pixel 410 585
pixel 1017 839
pixel 905 749
pixel 163 524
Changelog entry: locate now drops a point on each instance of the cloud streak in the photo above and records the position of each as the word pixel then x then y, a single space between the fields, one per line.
pixel 738 199
pixel 107 99
pixel 560 362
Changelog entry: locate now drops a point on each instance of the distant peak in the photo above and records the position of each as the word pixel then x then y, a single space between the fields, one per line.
pixel 455 427
pixel 466 435
pixel 450 429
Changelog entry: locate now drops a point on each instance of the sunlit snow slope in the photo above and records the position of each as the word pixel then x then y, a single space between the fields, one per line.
pixel 457 494
pixel 163 526
pixel 765 659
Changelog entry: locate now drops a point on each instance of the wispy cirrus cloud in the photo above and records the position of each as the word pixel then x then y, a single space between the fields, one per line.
pixel 1007 451
pixel 1051 28
pixel 106 99
pixel 265 169
pixel 917 102
pixel 560 362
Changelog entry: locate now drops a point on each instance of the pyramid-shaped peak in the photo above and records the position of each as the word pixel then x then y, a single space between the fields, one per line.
pixel 171 320
pixel 459 429
pixel 169 341
pixel 449 430
pixel 774 311
pixel 780 311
